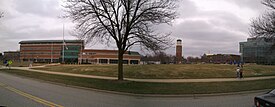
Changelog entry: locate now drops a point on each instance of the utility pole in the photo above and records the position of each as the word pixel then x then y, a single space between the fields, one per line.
pixel 63 46
pixel 52 53
pixel 81 52
pixel 242 54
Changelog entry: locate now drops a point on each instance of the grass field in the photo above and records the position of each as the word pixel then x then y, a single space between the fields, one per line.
pixel 186 71
pixel 150 88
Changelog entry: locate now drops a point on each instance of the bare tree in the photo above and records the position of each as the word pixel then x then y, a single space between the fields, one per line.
pixel 264 26
pixel 1 14
pixel 127 22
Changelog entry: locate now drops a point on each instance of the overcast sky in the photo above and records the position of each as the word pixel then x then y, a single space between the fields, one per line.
pixel 205 26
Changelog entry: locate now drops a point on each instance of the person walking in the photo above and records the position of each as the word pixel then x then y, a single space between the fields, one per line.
pixel 238 72
pixel 6 63
pixel 9 64
pixel 30 65
pixel 241 72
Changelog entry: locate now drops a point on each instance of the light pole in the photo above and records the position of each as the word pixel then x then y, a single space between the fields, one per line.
pixel 242 52
pixel 52 53
pixel 63 46
pixel 81 53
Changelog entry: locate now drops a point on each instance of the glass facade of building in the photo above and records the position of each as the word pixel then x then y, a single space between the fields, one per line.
pixel 71 53
pixel 258 50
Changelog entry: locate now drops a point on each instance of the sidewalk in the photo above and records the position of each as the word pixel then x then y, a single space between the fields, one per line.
pixel 148 80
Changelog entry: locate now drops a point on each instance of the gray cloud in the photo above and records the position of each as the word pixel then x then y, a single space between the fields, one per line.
pixel 208 31
pixel 186 8
pixel 30 20
pixel 45 8
pixel 202 31
pixel 251 4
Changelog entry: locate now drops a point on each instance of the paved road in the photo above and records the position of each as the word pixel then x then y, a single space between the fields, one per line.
pixel 36 93
pixel 148 80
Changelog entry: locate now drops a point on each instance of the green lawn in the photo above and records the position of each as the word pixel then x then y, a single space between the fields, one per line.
pixel 150 88
pixel 186 71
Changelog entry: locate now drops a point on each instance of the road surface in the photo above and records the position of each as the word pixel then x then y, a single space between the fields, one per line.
pixel 25 92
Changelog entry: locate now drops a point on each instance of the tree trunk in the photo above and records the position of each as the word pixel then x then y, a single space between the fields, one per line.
pixel 120 65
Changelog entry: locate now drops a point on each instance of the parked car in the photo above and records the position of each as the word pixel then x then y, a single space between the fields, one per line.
pixel 266 100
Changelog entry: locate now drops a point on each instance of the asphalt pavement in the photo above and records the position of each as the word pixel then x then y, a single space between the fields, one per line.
pixel 25 92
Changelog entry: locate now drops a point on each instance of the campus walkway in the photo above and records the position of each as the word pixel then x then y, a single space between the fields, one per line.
pixel 146 80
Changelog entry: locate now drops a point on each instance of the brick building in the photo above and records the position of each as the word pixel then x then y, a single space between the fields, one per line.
pixel 179 52
pixel 50 50
pixel 108 57
pixel 74 52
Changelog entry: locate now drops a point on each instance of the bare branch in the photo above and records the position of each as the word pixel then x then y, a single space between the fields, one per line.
pixel 269 3
pixel 127 22
pixel 1 14
pixel 264 26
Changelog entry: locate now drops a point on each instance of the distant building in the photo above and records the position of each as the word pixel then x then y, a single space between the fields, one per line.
pixel 258 50
pixel 149 60
pixel 178 52
pixel 158 58
pixel 221 58
pixel 71 51
pixel 12 55
pixel 152 62
pixel 192 60
pixel 93 56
